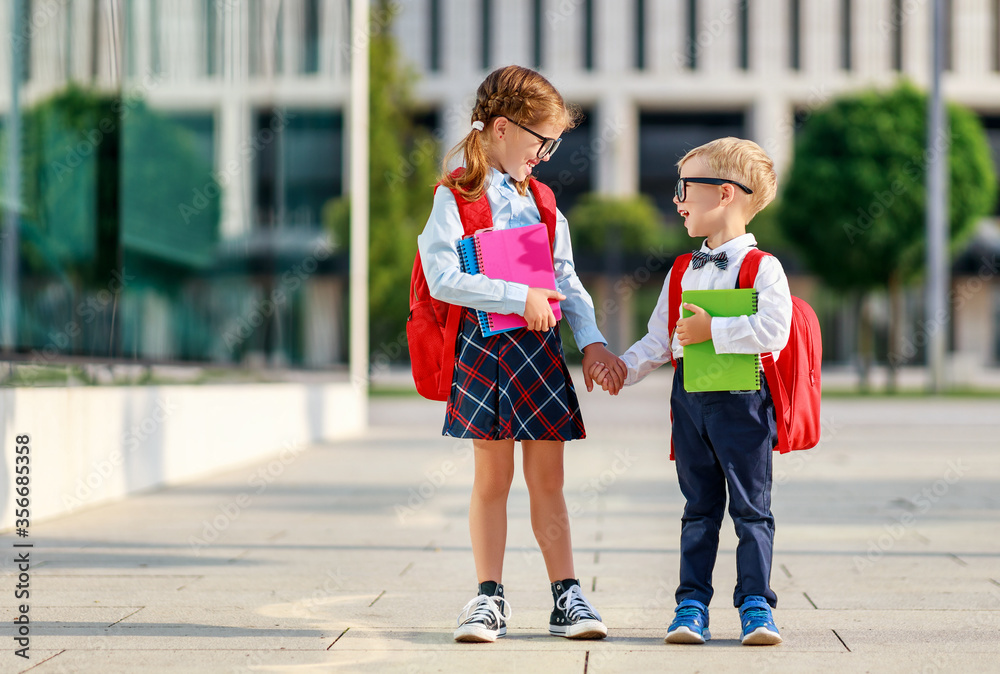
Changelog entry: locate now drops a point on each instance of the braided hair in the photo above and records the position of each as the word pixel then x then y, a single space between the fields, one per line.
pixel 523 96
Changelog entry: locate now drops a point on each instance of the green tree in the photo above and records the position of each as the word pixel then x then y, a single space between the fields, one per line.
pixel 854 201
pixel 402 172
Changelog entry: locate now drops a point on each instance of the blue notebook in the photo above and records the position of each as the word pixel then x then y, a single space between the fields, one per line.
pixel 470 265
pixel 521 255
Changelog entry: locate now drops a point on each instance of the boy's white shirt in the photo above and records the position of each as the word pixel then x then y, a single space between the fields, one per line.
pixel 765 331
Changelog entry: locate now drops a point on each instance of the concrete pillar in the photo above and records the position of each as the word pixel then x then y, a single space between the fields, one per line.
pixel 972 42
pixel 562 36
pixel 769 39
pixel 512 34
pixel 820 37
pixel 872 39
pixel 614 37
pixel 667 36
pixel 916 26
pixel 460 39
pixel 717 36
pixel 772 127
pixel 616 142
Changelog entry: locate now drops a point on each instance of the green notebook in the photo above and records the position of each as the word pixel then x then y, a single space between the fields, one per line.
pixel 705 370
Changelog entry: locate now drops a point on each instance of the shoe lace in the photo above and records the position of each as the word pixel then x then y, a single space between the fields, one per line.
pixel 574 605
pixel 688 612
pixel 754 614
pixel 484 607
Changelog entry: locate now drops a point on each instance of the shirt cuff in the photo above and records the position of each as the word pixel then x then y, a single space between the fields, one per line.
pixel 588 336
pixel 515 298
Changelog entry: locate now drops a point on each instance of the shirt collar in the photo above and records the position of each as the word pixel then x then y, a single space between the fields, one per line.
pixel 732 246
pixel 498 180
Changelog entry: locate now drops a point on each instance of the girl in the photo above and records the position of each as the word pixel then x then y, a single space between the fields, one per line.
pixel 514 386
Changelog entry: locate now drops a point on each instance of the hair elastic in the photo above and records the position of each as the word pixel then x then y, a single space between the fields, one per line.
pixel 478 126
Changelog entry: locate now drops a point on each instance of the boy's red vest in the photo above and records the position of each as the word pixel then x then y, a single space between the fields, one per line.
pixel 794 379
pixel 432 326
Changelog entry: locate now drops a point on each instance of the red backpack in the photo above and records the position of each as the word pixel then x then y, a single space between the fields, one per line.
pixel 432 327
pixel 794 379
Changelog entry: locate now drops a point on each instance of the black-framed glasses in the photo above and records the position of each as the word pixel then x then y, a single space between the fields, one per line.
pixel 549 145
pixel 680 190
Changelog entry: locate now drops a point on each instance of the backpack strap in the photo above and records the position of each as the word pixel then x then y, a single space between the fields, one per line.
pixel 674 299
pixel 748 276
pixel 545 199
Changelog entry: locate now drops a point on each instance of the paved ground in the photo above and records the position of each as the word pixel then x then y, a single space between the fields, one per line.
pixel 355 556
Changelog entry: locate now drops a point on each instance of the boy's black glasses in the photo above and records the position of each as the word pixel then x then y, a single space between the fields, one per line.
pixel 680 190
pixel 549 145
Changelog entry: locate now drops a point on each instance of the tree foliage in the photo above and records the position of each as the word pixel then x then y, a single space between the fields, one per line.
pixel 402 172
pixel 854 201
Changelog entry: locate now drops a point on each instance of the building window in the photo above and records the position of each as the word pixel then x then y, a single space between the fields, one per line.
pixel 588 35
pixel 536 33
pixel 434 58
pixel 795 34
pixel 949 28
pixel 640 34
pixel 665 137
pixel 155 26
pixel 485 33
pixel 692 34
pixel 846 42
pixel 294 172
pixel 210 13
pixel 744 25
pixel 570 172
pixel 310 57
pixel 896 26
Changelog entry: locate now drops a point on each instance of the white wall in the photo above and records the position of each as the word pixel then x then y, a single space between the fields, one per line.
pixel 92 445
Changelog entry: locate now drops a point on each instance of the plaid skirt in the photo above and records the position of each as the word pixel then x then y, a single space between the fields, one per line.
pixel 514 385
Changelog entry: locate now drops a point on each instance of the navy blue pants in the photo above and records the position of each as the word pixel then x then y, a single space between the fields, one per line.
pixel 724 440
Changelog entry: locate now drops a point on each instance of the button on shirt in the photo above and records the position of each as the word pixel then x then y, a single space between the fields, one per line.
pixel 765 331
pixel 446 281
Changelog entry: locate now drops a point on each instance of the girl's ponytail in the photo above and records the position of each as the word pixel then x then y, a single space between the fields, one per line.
pixel 523 96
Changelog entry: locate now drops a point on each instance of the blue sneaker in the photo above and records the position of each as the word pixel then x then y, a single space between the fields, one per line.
pixel 690 625
pixel 758 623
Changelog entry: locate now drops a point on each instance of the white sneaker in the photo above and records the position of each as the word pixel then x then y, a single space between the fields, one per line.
pixel 574 617
pixel 483 619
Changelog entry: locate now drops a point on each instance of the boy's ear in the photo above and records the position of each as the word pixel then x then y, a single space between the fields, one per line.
pixel 728 194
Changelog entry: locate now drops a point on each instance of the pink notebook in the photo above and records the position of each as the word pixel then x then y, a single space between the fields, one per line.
pixel 521 255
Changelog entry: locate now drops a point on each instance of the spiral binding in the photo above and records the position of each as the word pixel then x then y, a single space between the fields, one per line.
pixel 758 369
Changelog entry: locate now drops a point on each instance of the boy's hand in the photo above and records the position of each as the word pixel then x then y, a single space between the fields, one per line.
pixel 694 329
pixel 616 370
pixel 601 375
pixel 537 310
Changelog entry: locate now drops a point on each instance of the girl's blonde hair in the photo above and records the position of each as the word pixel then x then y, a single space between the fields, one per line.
pixel 520 94
pixel 743 161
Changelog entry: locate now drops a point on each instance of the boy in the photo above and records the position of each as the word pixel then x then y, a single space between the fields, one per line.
pixel 721 439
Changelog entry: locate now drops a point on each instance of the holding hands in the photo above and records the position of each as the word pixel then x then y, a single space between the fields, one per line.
pixel 603 367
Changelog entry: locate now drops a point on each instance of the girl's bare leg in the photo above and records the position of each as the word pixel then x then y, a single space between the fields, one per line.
pixel 488 509
pixel 543 473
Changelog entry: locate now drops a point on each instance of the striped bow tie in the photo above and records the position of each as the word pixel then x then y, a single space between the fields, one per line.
pixel 699 258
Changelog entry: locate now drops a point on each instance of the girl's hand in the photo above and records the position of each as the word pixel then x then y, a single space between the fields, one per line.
pixel 537 310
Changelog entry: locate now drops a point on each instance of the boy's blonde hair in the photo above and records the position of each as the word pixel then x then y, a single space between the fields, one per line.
pixel 743 161
pixel 521 95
